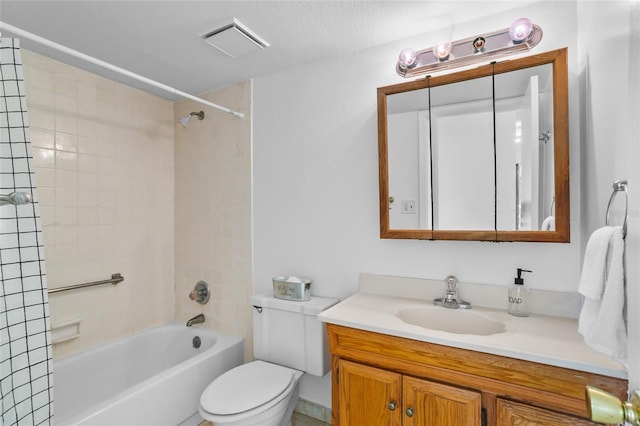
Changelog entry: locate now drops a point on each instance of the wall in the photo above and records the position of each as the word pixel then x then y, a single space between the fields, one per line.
pixel 213 212
pixel 317 123
pixel 315 203
pixel 316 177
pixel 633 174
pixel 104 163
pixel 609 119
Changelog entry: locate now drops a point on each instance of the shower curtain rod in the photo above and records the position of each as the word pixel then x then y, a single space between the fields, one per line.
pixel 45 42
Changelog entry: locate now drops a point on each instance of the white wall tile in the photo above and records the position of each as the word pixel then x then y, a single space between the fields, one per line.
pixel 43 157
pixel 42 138
pixel 213 239
pixel 88 144
pixel 66 160
pixel 66 142
pixel 66 123
pixel 79 121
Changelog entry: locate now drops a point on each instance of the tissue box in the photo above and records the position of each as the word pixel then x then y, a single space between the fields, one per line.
pixel 292 288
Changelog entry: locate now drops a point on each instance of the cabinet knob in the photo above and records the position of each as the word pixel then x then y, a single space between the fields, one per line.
pixel 392 405
pixel 409 412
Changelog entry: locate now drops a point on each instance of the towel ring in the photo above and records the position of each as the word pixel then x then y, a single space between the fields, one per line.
pixel 619 185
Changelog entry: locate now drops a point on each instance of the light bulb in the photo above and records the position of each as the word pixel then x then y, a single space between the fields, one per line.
pixel 520 30
pixel 407 58
pixel 442 51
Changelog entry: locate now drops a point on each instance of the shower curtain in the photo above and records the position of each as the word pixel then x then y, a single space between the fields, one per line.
pixel 26 385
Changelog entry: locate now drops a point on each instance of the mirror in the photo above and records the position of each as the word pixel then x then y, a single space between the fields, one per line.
pixel 481 154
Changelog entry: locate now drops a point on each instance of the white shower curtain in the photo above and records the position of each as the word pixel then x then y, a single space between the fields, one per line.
pixel 26 386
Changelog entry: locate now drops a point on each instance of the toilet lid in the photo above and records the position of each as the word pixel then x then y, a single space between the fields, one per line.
pixel 245 388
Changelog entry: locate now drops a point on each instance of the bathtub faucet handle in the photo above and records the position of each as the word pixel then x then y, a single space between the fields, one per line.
pixel 200 293
pixel 198 319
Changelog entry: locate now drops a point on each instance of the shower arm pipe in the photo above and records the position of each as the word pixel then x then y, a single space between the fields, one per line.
pixel 48 43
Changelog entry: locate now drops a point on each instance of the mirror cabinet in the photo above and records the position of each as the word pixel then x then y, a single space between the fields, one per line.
pixel 481 154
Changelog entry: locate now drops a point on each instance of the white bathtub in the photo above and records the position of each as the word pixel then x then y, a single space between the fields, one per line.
pixel 154 377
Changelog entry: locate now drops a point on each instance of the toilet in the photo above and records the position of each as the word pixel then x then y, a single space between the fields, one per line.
pixel 288 341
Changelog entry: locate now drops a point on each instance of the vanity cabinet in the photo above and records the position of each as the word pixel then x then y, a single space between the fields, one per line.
pixel 512 413
pixel 386 380
pixel 373 396
pixel 368 395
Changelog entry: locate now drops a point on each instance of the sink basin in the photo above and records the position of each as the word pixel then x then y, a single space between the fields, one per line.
pixel 459 321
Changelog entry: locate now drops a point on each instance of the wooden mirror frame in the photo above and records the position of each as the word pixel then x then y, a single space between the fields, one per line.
pixel 558 58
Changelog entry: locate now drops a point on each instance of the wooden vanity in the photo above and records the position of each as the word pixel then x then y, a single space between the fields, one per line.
pixel 381 379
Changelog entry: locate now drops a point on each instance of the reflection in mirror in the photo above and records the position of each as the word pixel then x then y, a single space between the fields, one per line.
pixel 409 161
pixel 524 149
pixel 481 154
pixel 462 149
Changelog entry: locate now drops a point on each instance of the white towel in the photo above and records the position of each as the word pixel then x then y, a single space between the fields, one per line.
pixel 549 224
pixel 601 319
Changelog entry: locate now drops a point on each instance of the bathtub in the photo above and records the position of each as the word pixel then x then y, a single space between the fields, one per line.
pixel 154 377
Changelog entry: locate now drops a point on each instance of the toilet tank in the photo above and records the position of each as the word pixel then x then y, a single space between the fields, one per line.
pixel 289 333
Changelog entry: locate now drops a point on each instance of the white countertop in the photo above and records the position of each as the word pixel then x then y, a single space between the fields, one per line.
pixel 539 338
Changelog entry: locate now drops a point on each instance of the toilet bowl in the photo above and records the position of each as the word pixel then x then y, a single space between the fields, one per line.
pixel 288 341
pixel 257 393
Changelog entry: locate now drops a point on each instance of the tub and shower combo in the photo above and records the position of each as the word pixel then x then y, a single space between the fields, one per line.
pixel 154 377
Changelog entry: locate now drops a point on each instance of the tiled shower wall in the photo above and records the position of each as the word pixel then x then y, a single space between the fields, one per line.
pixel 104 162
pixel 213 212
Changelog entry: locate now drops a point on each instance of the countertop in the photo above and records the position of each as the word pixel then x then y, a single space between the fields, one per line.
pixel 539 338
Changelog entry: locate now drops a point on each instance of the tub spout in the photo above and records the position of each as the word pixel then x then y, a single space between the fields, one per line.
pixel 195 320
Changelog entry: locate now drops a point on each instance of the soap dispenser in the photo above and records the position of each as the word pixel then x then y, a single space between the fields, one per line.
pixel 519 296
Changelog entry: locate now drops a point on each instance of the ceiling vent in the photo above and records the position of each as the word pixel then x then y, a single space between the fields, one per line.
pixel 235 40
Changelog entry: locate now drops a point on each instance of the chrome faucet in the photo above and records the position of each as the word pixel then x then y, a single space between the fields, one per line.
pixel 195 320
pixel 451 299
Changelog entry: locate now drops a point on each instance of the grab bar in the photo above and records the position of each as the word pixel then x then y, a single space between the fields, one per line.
pixel 115 279
pixel 619 185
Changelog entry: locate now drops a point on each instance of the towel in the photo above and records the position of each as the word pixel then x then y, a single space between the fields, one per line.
pixel 549 224
pixel 601 319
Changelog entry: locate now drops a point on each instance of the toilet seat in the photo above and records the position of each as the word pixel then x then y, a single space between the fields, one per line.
pixel 254 386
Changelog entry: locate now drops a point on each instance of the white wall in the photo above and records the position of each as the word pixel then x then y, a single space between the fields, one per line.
pixel 610 125
pixel 315 164
pixel 316 177
pixel 633 175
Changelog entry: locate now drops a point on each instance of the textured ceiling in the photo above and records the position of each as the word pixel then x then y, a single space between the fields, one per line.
pixel 163 40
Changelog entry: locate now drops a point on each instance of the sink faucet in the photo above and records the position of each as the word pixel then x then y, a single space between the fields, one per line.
pixel 195 320
pixel 451 299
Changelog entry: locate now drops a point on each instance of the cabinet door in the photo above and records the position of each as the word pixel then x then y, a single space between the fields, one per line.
pixel 430 403
pixel 513 413
pixel 369 396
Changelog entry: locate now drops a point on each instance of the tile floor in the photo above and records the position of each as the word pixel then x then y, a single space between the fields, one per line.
pixel 297 420
pixel 302 420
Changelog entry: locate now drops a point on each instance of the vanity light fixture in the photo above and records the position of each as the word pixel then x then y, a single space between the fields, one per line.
pixel 521 36
pixel 407 58
pixel 520 30
pixel 442 51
